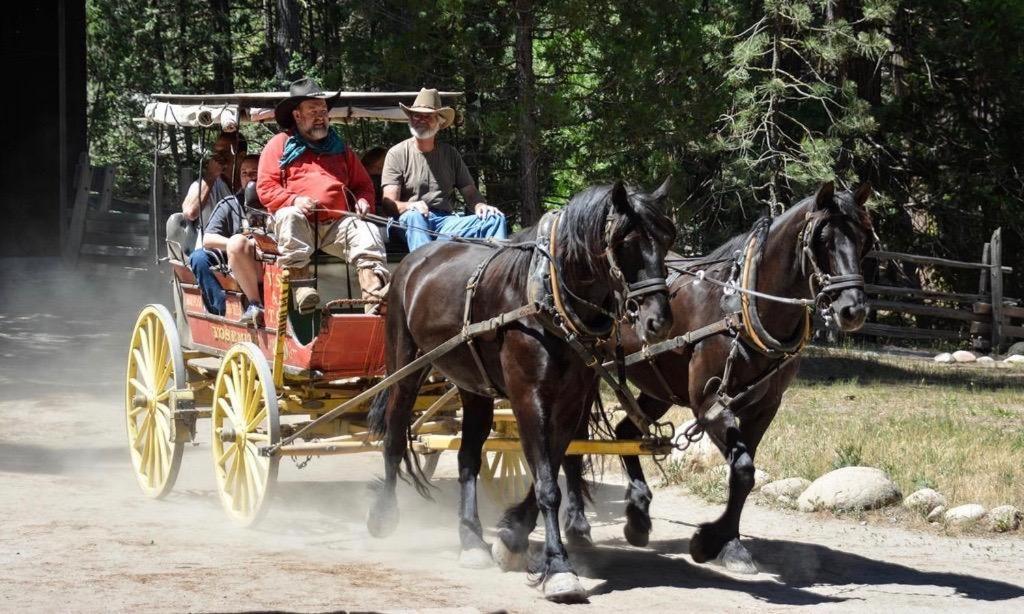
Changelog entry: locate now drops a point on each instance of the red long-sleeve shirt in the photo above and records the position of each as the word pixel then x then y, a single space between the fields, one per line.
pixel 319 176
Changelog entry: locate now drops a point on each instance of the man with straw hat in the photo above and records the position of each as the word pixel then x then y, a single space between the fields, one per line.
pixel 306 176
pixel 421 174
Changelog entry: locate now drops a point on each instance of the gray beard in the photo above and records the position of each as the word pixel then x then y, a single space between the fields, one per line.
pixel 315 134
pixel 422 134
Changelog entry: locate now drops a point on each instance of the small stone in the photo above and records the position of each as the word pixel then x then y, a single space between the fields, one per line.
pixel 937 514
pixel 964 515
pixel 924 501
pixel 1003 518
pixel 986 360
pixel 945 357
pixel 850 488
pixel 964 356
pixel 786 490
pixel 1014 359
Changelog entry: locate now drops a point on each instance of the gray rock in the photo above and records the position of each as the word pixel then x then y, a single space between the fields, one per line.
pixel 924 501
pixel 964 356
pixel 986 360
pixel 945 357
pixel 937 514
pixel 964 515
pixel 1014 359
pixel 785 490
pixel 1003 518
pixel 760 477
pixel 850 488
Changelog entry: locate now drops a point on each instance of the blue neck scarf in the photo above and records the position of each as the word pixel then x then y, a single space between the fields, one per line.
pixel 296 146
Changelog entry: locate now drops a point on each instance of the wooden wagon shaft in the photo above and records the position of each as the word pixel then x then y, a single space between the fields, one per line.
pixel 439 443
pixel 473 330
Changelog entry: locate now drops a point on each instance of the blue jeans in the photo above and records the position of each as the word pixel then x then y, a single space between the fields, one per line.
pixel 213 295
pixel 469 226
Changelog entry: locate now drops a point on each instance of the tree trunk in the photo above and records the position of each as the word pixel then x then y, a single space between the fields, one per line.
pixel 223 70
pixel 529 208
pixel 286 39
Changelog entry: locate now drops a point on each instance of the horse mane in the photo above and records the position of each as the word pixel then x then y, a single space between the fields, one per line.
pixel 581 229
pixel 847 207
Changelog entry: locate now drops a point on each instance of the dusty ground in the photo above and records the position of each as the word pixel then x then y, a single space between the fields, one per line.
pixel 77 535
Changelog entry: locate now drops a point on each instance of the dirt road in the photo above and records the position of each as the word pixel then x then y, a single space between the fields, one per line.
pixel 77 535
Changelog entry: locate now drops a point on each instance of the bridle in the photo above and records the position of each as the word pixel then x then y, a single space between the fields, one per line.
pixel 824 286
pixel 630 295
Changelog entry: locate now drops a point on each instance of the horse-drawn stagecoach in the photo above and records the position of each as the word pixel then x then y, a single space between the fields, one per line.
pixel 540 319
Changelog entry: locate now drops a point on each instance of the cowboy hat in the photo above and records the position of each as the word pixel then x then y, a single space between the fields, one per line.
pixel 300 90
pixel 429 101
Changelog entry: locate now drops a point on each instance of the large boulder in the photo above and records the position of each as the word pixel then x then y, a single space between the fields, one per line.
pixel 1003 518
pixel 924 501
pixel 1014 359
pixel 945 357
pixel 785 491
pixel 964 356
pixel 964 515
pixel 850 488
pixel 988 361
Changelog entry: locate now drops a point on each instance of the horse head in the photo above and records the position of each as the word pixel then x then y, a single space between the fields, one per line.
pixel 838 236
pixel 639 236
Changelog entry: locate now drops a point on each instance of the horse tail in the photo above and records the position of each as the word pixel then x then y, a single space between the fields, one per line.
pixel 378 411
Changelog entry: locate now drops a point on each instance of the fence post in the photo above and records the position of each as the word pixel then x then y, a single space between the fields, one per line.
pixel 107 189
pixel 76 229
pixel 996 282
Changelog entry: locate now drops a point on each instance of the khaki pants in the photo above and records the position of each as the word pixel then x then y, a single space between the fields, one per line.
pixel 353 240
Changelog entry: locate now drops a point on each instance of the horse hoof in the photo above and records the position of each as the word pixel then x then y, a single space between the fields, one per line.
pixel 564 587
pixel 506 559
pixel 635 536
pixel 382 521
pixel 736 558
pixel 475 558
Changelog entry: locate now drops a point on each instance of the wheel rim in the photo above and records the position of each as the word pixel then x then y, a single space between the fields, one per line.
pixel 155 368
pixel 506 475
pixel 244 419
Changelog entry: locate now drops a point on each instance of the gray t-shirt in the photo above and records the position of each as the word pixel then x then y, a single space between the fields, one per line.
pixel 218 191
pixel 431 177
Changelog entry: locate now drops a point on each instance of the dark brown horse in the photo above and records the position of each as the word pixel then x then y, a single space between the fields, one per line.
pixel 836 231
pixel 601 231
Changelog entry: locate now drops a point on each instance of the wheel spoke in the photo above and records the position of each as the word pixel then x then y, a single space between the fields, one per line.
pixel 257 437
pixel 140 387
pixel 223 459
pixel 166 368
pixel 256 421
pixel 141 368
pixel 229 412
pixel 141 433
pixel 135 411
pixel 257 471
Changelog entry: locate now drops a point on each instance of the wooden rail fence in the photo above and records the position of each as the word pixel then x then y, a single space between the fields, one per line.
pixel 988 319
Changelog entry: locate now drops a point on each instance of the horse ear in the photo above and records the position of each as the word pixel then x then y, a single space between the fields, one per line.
pixel 620 198
pixel 863 193
pixel 662 191
pixel 824 198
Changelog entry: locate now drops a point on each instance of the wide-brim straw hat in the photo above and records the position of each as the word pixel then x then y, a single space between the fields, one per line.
pixel 300 90
pixel 429 101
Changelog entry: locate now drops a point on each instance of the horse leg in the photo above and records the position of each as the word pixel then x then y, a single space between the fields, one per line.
pixel 638 494
pixel 478 414
pixel 720 540
pixel 390 416
pixel 577 527
pixel 544 443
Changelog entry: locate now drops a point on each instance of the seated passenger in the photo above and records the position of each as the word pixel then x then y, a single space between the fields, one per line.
pixel 204 193
pixel 224 243
pixel 420 175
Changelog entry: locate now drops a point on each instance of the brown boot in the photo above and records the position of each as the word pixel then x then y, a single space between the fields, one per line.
pixel 306 297
pixel 373 289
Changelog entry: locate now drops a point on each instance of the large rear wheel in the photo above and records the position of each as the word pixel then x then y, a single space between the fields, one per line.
pixel 245 418
pixel 156 367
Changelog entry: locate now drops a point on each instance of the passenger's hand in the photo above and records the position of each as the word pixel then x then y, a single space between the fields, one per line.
pixel 362 207
pixel 483 210
pixel 420 206
pixel 305 204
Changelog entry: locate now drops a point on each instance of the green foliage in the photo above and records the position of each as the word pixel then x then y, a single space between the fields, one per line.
pixel 748 104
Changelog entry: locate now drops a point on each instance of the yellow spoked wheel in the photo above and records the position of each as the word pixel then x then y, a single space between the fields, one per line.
pixel 245 418
pixel 155 368
pixel 506 475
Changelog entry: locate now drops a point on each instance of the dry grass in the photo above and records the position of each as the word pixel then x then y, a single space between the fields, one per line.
pixel 959 430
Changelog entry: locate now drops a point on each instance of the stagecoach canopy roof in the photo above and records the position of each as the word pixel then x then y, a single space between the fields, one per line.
pixel 226 111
